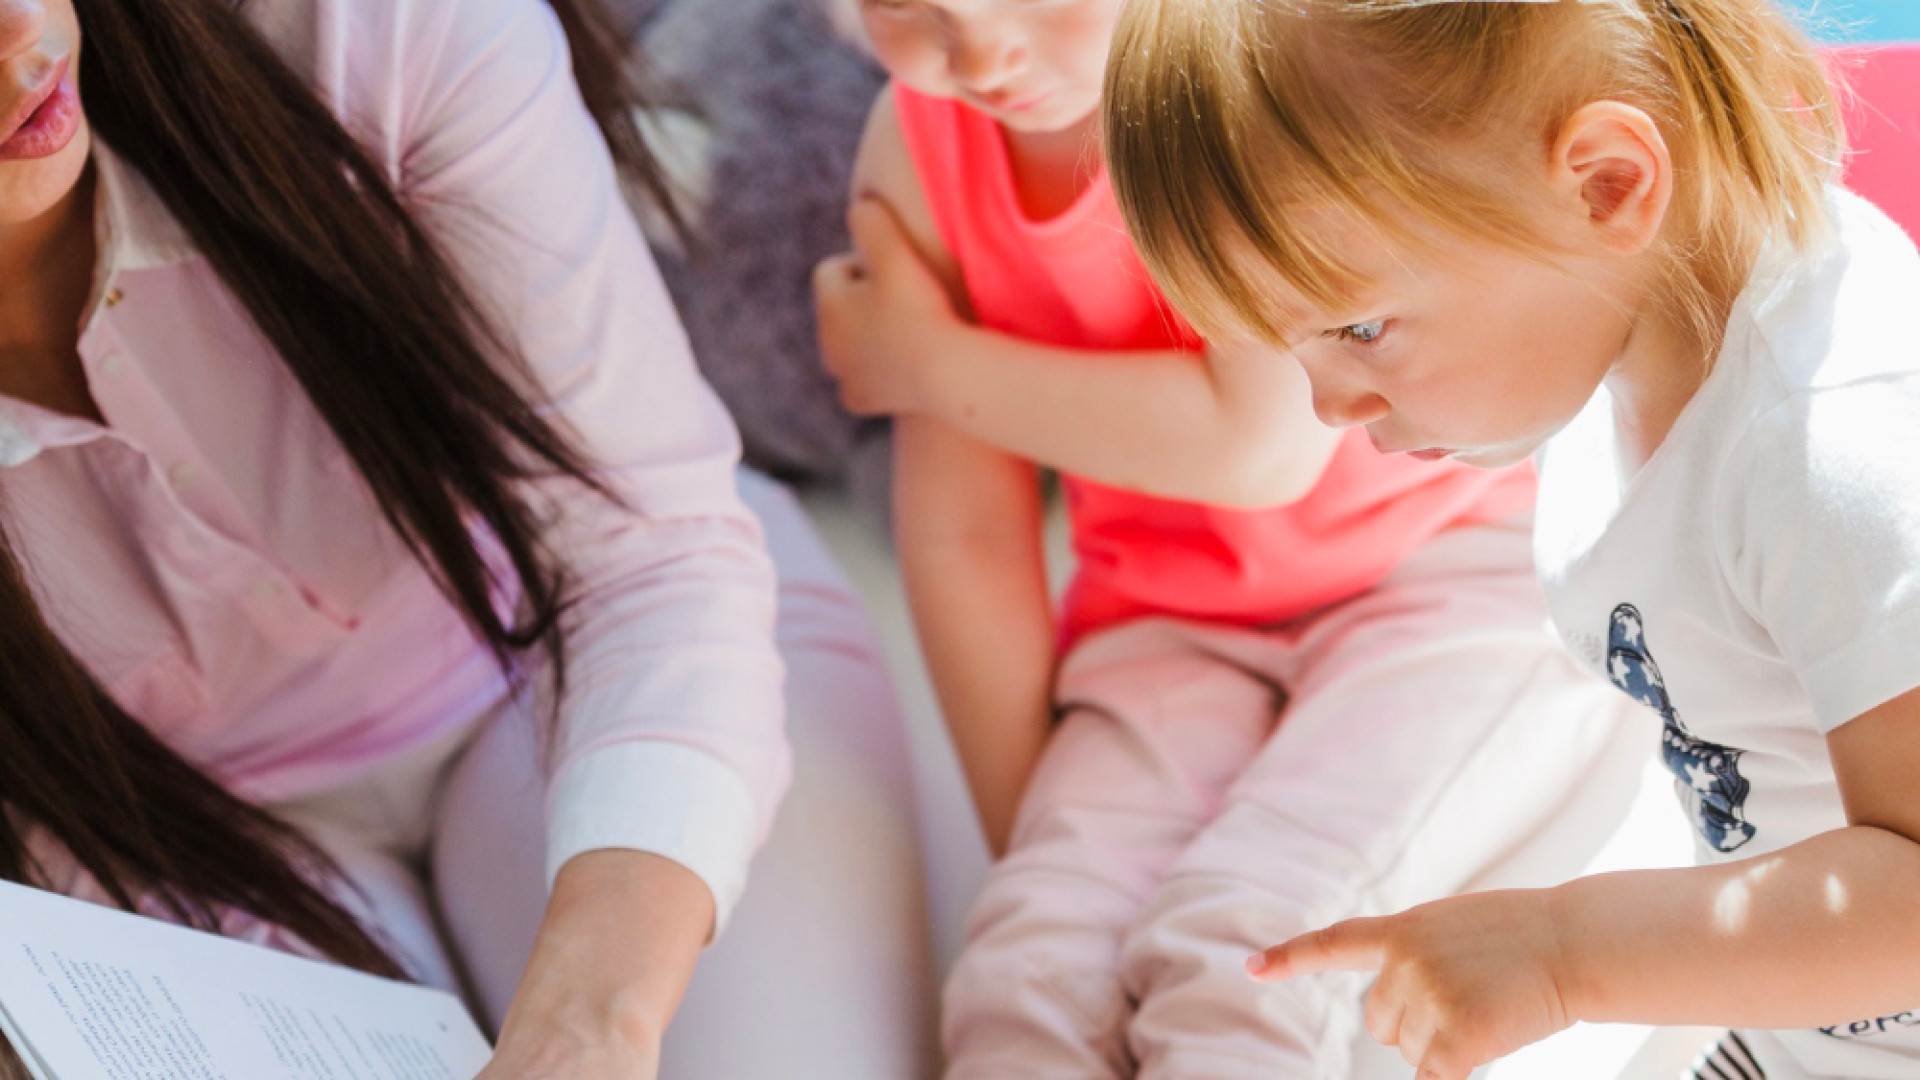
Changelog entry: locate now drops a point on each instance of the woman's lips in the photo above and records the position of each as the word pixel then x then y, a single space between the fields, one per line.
pixel 46 120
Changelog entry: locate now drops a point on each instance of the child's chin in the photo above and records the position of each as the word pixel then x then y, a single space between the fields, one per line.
pixel 1047 120
pixel 1492 458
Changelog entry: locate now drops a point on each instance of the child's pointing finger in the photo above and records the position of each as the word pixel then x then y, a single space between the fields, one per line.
pixel 1353 945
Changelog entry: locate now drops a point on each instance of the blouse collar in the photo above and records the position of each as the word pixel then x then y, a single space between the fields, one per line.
pixel 134 229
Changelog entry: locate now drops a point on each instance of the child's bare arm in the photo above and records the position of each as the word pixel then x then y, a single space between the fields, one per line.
pixel 968 529
pixel 1233 427
pixel 968 532
pixel 1816 934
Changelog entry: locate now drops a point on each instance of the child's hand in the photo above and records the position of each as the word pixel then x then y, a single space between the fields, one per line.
pixel 881 311
pixel 1462 981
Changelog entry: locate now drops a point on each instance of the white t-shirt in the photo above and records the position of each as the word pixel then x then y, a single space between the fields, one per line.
pixel 1757 582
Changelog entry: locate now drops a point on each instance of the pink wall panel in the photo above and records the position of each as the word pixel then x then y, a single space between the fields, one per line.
pixel 1883 121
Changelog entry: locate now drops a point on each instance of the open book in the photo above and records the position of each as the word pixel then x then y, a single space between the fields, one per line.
pixel 89 993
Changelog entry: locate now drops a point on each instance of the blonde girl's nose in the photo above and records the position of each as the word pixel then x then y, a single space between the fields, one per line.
pixel 1344 409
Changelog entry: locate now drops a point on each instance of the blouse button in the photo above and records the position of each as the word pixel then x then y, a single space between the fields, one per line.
pixel 113 365
pixel 114 296
pixel 183 474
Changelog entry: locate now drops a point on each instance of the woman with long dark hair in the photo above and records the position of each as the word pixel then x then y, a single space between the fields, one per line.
pixel 341 413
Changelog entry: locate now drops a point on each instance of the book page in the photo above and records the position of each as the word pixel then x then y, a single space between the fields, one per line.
pixel 89 993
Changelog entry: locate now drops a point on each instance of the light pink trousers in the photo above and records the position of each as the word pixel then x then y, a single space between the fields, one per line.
pixel 1213 791
pixel 826 960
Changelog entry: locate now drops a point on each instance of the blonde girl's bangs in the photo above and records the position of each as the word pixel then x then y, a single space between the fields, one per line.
pixel 1227 119
pixel 1229 158
pixel 1198 203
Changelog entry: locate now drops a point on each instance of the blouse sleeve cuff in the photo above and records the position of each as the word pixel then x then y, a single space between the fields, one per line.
pixel 662 798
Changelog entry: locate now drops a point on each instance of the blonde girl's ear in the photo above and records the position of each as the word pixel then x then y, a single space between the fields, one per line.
pixel 1612 168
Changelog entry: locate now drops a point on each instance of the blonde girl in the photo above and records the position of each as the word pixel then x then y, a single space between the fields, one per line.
pixel 1292 679
pixel 1611 223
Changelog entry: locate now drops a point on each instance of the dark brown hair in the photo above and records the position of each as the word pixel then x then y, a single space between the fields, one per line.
pixel 426 398
pixel 613 84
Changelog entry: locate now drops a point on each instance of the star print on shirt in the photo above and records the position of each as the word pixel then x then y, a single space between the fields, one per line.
pixel 1700 777
pixel 1706 775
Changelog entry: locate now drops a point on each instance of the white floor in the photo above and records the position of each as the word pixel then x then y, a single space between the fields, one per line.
pixel 956 859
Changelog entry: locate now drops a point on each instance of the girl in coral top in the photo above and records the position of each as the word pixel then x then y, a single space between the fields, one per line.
pixel 1292 676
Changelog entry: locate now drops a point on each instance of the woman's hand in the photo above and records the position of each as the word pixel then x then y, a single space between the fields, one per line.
pixel 619 942
pixel 1462 981
pixel 885 317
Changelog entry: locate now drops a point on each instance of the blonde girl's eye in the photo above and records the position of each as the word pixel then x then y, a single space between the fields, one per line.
pixel 1365 333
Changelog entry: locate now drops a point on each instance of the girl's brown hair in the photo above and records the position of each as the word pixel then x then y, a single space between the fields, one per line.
pixel 1226 118
pixel 426 398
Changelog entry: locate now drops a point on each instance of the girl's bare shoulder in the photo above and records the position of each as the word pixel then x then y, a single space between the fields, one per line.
pixel 884 170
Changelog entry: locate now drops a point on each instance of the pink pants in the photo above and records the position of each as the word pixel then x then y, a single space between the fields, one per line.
pixel 1212 791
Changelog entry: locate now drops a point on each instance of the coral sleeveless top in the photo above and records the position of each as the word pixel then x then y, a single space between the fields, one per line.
pixel 1074 281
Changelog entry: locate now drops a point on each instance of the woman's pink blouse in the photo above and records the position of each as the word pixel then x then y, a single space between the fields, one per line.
pixel 220 567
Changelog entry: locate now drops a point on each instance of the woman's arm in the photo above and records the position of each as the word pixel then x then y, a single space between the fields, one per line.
pixel 668 758
pixel 967 521
pixel 1816 934
pixel 1233 426
pixel 621 936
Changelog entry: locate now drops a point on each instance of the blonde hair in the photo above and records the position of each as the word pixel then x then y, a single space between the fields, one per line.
pixel 1225 119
